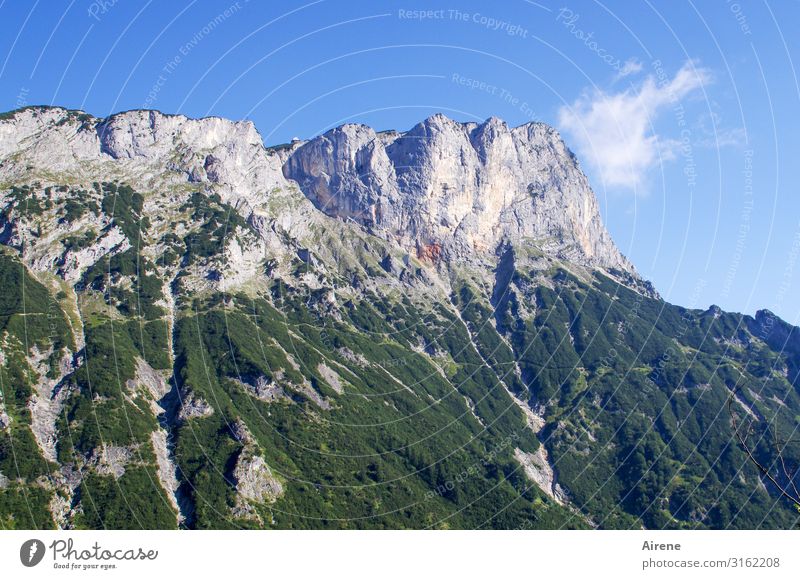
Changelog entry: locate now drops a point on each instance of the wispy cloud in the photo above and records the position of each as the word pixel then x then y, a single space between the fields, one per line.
pixel 631 66
pixel 713 135
pixel 614 131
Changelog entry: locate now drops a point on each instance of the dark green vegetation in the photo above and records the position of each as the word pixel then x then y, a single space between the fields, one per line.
pixel 381 412
pixel 374 459
pixel 29 319
pixel 637 393
pixel 218 222
pixel 133 501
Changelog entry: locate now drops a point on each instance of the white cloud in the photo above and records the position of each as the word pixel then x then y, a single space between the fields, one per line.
pixel 614 131
pixel 631 66
pixel 713 135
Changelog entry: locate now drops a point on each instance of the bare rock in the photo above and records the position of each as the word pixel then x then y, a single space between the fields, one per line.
pixel 331 377
pixel 538 469
pixel 47 401
pixel 74 263
pixel 167 469
pixel 351 356
pixel 111 460
pixel 60 509
pixel 444 191
pixel 450 190
pixel 254 479
pixel 192 406
pixel 150 378
pixel 241 433
pixel 5 419
pixel 307 390
pixel 392 266
pixel 263 388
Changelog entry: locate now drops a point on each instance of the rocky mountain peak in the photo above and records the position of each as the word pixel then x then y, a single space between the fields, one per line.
pixel 443 190
pixel 463 188
pixel 149 134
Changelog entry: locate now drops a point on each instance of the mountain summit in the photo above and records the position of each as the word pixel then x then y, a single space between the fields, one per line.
pixel 442 190
pixel 459 189
pixel 426 329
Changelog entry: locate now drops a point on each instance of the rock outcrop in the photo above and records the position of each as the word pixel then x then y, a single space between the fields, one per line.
pixel 537 468
pixel 442 191
pixel 192 406
pixel 458 190
pixel 111 460
pixel 46 402
pixel 254 480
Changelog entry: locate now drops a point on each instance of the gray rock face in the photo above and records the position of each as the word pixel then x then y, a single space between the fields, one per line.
pixel 151 379
pixel 458 190
pixel 252 476
pixel 164 157
pixel 444 191
pixel 166 469
pixel 538 469
pixel 47 401
pixel 331 377
pixel 263 388
pixel 192 406
pixel 254 479
pixel 5 419
pixel 143 146
pixel 110 460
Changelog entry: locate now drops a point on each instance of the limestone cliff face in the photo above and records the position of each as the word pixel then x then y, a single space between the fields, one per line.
pixel 444 191
pixel 458 190
pixel 165 157
pixel 143 147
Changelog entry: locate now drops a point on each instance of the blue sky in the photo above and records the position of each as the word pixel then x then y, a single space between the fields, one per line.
pixel 683 115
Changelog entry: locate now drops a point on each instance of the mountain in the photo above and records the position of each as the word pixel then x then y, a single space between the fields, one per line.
pixel 458 189
pixel 421 329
